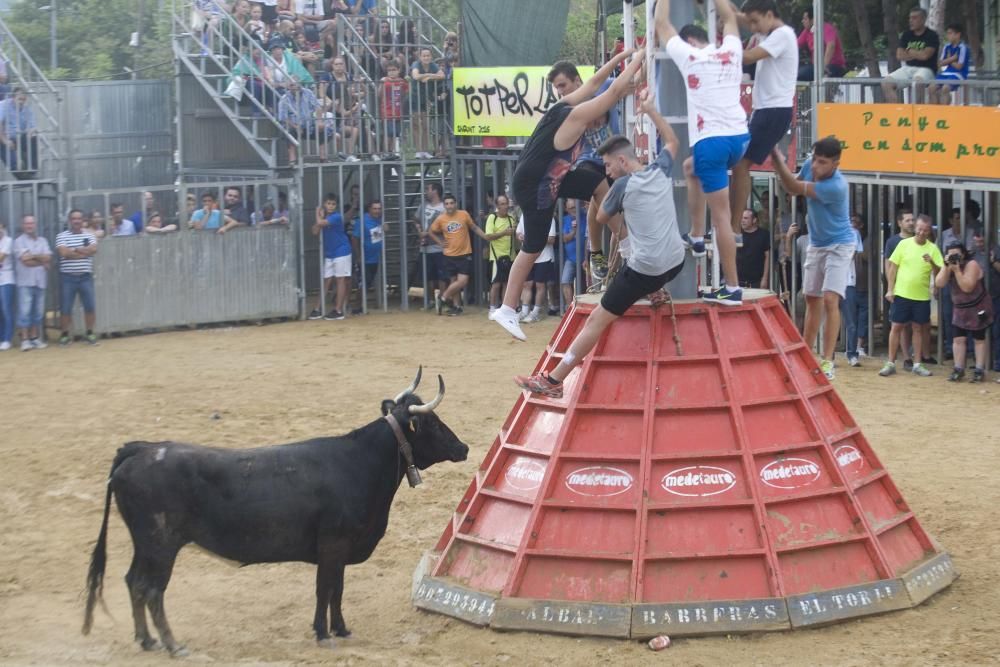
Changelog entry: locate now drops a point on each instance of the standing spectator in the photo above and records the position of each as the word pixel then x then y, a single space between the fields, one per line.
pixel 433 254
pixel 427 76
pixel 451 232
pixel 31 269
pixel 154 224
pixel 572 252
pixel 501 249
pixel 76 247
pixel 18 140
pixel 830 254
pixel 336 257
pixel 370 231
pixel 918 51
pixel 209 216
pixel 954 66
pixel 911 266
pixel 392 95
pixel 7 288
pixel 268 215
pixel 335 93
pixel 957 232
pixel 120 225
pixel 235 214
pixel 95 224
pixel 543 271
pixel 906 224
pixel 753 258
pixel 834 63
pixel 148 206
pixel 854 308
pixel 973 311
pixel 298 111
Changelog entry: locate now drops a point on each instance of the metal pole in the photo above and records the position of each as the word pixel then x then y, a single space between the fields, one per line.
pixel 53 35
pixel 818 70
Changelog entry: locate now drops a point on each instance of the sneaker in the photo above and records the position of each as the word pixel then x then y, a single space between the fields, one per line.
pixel 4 346
pixel 91 339
pixel 26 346
pixel 697 248
pixel 929 360
pixel 861 353
pixel 978 375
pixel 454 311
pixel 532 317
pixel 888 369
pixel 725 296
pixel 908 364
pixel 523 313
pixel 333 315
pixel 315 315
pixel 921 370
pixel 539 384
pixel 38 344
pixel 553 312
pixel 492 310
pixel 853 361
pixel 957 375
pixel 353 158
pixel 827 367
pixel 598 266
pixel 738 238
pixel 510 323
pixel 65 340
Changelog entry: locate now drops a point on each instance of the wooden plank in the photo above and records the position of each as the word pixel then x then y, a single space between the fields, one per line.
pixel 451 599
pixel 569 618
pixel 927 579
pixel 848 602
pixel 706 618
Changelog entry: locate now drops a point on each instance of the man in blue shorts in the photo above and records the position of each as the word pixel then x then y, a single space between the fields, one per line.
pixel 717 131
pixel 650 240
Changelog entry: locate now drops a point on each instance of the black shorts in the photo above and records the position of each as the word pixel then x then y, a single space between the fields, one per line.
pixel 905 311
pixel 767 127
pixel 456 265
pixel 977 334
pixel 629 286
pixel 543 272
pixel 537 223
pixel 501 270
pixel 581 181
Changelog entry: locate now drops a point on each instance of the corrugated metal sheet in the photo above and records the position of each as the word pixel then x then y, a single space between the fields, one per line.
pixel 208 138
pixel 196 277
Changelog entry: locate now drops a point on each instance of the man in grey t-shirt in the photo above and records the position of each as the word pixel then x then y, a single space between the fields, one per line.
pixel 429 210
pixel 650 242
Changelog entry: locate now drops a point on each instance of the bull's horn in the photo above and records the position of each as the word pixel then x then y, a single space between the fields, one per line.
pixel 413 386
pixel 429 407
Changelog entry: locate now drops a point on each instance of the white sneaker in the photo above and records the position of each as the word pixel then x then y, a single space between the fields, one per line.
pixel 861 353
pixel 26 346
pixel 854 361
pixel 510 324
pixel 492 310
pixel 4 346
pixel 532 317
pixel 38 344
pixel 522 314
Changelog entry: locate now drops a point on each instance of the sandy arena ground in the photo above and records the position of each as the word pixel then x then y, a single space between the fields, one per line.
pixel 67 411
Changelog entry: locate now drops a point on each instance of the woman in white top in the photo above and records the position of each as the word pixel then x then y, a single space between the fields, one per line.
pixel 6 288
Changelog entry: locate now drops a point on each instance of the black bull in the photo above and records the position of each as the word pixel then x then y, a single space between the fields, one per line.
pixel 323 501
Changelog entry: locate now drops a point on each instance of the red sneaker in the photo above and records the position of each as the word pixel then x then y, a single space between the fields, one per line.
pixel 539 384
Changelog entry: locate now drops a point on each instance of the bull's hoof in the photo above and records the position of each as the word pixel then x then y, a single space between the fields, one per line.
pixel 179 652
pixel 326 642
pixel 150 644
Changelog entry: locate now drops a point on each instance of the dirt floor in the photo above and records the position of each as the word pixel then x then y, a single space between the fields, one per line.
pixel 67 410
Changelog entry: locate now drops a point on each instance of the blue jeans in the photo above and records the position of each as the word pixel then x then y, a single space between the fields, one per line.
pixel 30 306
pixel 6 313
pixel 854 310
pixel 73 284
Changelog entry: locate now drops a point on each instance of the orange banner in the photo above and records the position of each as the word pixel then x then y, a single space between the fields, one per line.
pixel 943 140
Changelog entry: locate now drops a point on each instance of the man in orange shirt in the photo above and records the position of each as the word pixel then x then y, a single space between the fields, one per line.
pixel 451 231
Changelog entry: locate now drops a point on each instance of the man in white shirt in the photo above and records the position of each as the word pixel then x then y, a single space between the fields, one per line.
pixel 777 59
pixel 543 272
pixel 717 132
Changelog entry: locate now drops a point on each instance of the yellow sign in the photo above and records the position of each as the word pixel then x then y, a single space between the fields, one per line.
pixel 943 140
pixel 502 101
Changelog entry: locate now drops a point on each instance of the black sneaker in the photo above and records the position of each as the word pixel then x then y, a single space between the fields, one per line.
pixel 929 360
pixel 553 312
pixel 978 375
pixel 957 375
pixel 454 311
pixel 908 364
pixel 315 315
pixel 334 315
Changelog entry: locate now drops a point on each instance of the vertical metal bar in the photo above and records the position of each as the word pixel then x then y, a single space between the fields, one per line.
pixel 362 212
pixel 384 282
pixel 940 305
pixel 477 252
pixel 404 226
pixel 871 212
pixel 793 255
pixel 321 197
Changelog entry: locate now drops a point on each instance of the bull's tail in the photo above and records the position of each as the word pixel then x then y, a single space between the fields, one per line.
pixel 98 559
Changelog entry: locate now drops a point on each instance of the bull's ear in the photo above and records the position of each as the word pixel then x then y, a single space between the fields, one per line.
pixel 387 406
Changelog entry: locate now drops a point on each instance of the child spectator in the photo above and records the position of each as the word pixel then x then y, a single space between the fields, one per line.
pixel 257 28
pixel 392 96
pixel 954 65
pixel 336 257
pixel 572 252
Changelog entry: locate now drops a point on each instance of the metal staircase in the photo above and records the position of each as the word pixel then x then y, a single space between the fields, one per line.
pixel 211 57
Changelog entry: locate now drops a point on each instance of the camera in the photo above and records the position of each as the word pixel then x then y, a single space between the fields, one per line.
pixel 954 259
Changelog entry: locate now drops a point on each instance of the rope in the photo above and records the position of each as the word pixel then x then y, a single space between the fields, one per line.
pixel 673 322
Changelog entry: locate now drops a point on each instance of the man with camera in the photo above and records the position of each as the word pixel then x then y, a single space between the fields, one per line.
pixel 972 312
pixel 76 247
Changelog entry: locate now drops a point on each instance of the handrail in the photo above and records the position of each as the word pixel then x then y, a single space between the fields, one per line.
pixel 423 13
pixel 346 51
pixel 36 71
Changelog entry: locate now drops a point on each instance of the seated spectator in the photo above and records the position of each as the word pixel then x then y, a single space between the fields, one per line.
pixel 4 85
pixel 209 216
pixel 7 288
pixel 973 309
pixel 95 224
pixel 283 34
pixel 313 17
pixel 205 17
pixel 281 70
pixel 426 76
pixel 954 65
pixel 154 224
pixel 267 216
pixel 241 14
pixel 392 94
pixel 834 63
pixel 18 135
pixel 259 29
pixel 308 54
pixel 148 206
pixel 269 12
pixel 573 252
pixel 918 49
pixel 299 111
pixel 362 6
pixel 120 225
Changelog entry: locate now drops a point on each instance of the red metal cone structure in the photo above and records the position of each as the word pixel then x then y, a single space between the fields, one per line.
pixel 700 475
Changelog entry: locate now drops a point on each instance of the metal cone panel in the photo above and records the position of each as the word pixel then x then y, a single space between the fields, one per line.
pixel 700 475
